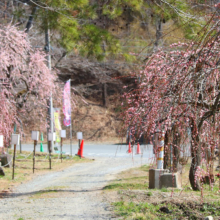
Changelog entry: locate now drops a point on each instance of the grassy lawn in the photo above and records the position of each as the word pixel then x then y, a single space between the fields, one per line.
pixel 24 167
pixel 132 199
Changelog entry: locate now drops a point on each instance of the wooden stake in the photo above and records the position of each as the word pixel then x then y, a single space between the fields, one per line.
pixel 50 154
pixel 61 150
pixel 219 159
pixel 79 147
pixel 35 143
pixel 13 171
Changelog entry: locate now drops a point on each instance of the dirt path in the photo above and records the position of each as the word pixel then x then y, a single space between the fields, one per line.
pixel 74 193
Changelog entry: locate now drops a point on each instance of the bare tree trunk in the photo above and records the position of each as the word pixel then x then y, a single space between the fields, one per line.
pixel 104 94
pixel 30 20
pixel 167 151
pixel 172 140
pixel 176 148
pixel 158 33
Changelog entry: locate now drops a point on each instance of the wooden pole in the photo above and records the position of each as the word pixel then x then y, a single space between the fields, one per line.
pixel 49 153
pixel 71 136
pixel 61 149
pixel 104 94
pixel 13 171
pixel 219 157
pixel 20 144
pixel 79 147
pixel 35 143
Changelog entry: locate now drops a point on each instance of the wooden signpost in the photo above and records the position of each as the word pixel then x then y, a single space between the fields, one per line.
pixel 35 137
pixel 2 143
pixel 14 140
pixel 62 135
pixel 79 136
pixel 51 138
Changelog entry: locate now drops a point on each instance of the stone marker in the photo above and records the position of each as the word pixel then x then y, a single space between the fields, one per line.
pixel 6 159
pixel 159 178
pixel 2 173
pixel 170 180
pixel 154 177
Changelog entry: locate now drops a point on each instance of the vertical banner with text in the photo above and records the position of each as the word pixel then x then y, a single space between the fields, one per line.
pixel 67 104
pixel 57 124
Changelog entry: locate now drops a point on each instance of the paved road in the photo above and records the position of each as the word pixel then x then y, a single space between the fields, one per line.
pixel 99 150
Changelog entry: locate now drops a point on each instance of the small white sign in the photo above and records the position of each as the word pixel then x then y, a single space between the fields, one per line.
pixel 50 137
pixel 35 135
pixel 79 135
pixel 63 133
pixel 15 139
pixel 54 136
pixel 1 141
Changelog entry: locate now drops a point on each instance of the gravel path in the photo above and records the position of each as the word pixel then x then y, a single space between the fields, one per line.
pixel 78 194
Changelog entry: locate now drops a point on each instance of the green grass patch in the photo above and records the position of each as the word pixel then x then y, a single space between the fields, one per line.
pixel 137 211
pixel 149 193
pixel 145 167
pixel 164 190
pixel 133 181
pixel 125 186
pixel 144 203
pixel 46 192
pixel 56 188
pixel 166 211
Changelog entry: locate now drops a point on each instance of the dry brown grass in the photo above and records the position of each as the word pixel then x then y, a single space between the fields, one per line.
pixel 24 168
pixel 98 124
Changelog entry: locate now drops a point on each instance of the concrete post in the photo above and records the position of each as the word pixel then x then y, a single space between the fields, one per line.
pixel 160 151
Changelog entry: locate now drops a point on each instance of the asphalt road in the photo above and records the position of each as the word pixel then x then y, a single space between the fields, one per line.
pixel 99 150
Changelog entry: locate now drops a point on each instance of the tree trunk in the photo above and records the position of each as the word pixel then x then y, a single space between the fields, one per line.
pixel 172 139
pixel 166 151
pixel 158 33
pixel 196 157
pixel 176 149
pixel 104 95
pixel 30 20
pixel 195 184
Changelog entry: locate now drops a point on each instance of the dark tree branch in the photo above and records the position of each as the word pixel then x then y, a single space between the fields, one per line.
pixel 30 20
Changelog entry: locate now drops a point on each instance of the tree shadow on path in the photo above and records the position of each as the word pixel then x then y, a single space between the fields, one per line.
pixel 15 195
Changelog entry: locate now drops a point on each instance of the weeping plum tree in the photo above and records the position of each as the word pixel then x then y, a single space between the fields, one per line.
pixel 180 88
pixel 25 81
